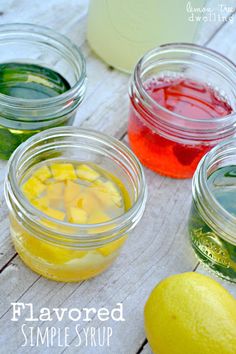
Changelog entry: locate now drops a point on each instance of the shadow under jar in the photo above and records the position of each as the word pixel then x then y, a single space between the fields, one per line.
pixel 73 197
pixel 182 103
pixel 42 82
pixel 212 220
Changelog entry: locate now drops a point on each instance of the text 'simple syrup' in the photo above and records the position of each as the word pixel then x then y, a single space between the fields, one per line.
pixel 181 106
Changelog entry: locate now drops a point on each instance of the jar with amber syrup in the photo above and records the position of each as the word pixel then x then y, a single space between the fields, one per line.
pixel 212 220
pixel 73 196
pixel 182 103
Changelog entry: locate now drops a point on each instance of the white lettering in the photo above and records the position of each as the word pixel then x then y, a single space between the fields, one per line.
pixel 17 306
pixel 109 334
pixel 86 331
pixel 119 311
pixel 42 337
pixel 77 311
pixel 78 335
pixel 60 313
pixel 23 332
pixel 103 314
pixel 31 311
pixel 87 311
pixel 45 314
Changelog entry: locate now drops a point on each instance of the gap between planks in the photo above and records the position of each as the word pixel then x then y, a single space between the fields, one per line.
pixel 145 348
pixel 123 134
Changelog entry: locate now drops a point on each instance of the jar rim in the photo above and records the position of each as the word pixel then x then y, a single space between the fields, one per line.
pixel 57 38
pixel 134 213
pixel 194 49
pixel 211 210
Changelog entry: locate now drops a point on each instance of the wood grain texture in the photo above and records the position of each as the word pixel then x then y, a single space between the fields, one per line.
pixel 229 286
pixel 203 270
pixel 156 249
pixel 105 106
pixel 146 349
pixel 106 100
pixel 224 42
pixel 221 13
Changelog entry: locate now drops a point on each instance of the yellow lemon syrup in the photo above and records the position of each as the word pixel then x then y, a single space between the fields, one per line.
pixel 71 194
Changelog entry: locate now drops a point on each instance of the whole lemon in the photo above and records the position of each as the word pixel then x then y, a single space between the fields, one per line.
pixel 190 313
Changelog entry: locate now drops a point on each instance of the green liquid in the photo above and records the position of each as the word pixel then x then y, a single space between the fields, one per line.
pixel 27 81
pixel 211 248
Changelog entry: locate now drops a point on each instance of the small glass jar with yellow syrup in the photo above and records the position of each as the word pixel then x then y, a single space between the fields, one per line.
pixel 73 197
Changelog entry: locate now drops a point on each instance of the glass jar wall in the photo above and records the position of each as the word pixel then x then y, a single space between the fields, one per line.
pixel 182 103
pixel 212 220
pixel 90 170
pixel 42 82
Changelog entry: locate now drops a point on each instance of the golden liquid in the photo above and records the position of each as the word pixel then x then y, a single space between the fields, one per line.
pixel 77 193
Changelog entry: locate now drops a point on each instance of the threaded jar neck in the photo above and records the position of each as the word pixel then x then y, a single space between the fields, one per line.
pixel 179 60
pixel 211 211
pixel 75 144
pixel 35 44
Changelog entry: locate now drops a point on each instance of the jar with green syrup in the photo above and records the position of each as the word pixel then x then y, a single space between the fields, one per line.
pixel 42 82
pixel 212 221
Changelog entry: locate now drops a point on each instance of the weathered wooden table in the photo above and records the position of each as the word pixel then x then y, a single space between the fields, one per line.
pixel 157 248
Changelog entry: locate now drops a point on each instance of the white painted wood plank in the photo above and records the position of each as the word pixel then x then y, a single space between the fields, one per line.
pixel 57 14
pixel 147 349
pixel 137 270
pixel 15 280
pixel 231 287
pixel 215 18
pixel 6 248
pixel 225 41
pixel 156 249
pixel 202 269
pixel 106 97
pixel 96 120
pixel 105 107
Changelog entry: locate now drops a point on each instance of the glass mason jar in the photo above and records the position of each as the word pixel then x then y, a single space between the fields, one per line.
pixel 22 117
pixel 170 143
pixel 121 31
pixel 60 250
pixel 212 220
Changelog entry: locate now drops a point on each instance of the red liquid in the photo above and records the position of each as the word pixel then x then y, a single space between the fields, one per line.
pixel 181 96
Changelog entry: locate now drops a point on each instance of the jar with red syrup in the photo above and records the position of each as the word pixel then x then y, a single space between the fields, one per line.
pixel 182 103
